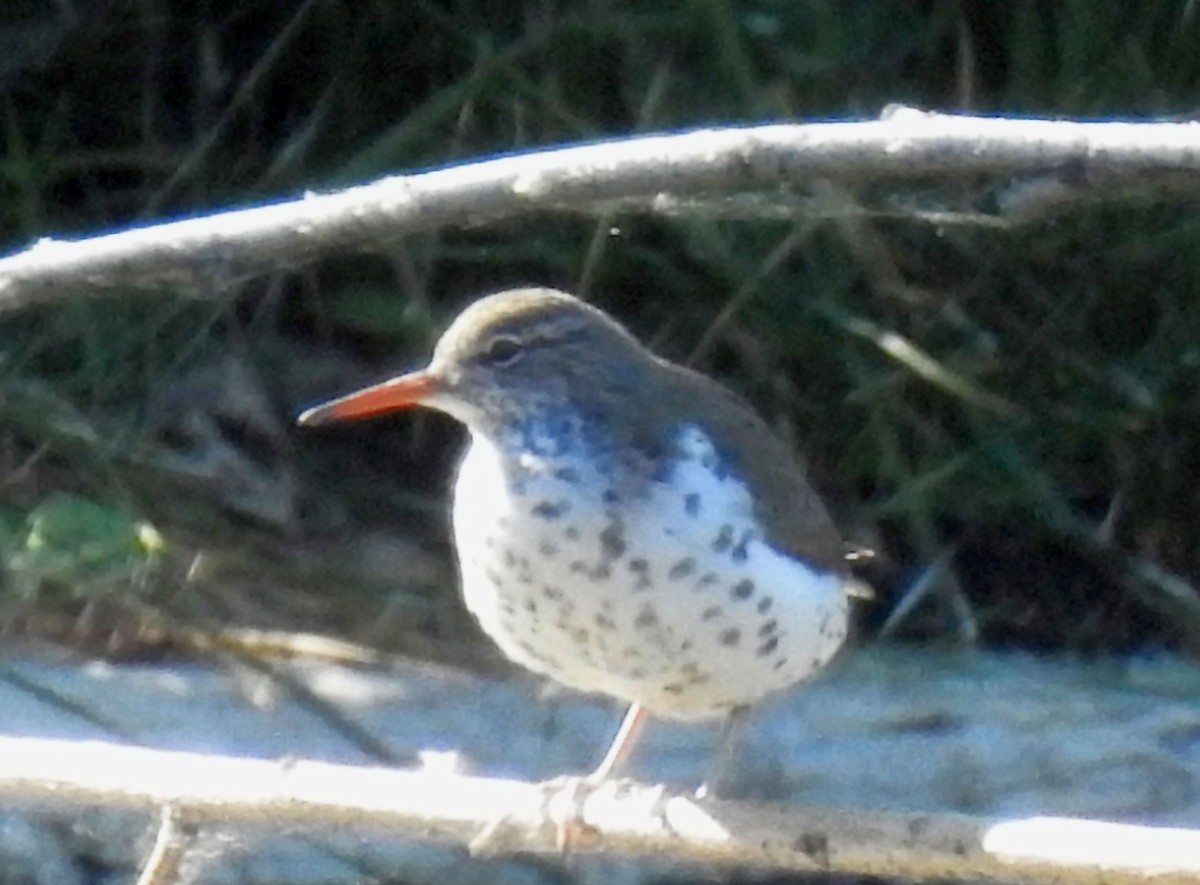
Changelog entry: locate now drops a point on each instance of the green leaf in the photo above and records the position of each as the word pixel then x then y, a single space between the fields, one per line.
pixel 74 540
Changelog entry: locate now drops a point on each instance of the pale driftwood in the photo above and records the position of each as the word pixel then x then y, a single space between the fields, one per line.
pixel 620 817
pixel 1057 162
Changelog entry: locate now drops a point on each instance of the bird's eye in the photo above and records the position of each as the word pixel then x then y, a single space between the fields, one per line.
pixel 502 351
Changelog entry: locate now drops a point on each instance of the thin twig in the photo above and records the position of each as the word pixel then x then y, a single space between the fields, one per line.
pixel 172 842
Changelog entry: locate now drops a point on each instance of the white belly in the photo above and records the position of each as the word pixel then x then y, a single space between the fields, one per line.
pixel 667 598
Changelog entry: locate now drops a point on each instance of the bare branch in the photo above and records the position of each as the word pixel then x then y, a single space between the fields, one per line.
pixel 1057 160
pixel 621 817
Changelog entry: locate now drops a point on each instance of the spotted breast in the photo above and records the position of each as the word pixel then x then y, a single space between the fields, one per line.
pixel 653 586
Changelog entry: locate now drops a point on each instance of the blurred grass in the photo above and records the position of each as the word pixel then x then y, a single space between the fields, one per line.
pixel 1025 399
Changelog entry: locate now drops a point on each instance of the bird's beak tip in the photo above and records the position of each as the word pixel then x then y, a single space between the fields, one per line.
pixel 390 396
pixel 313 417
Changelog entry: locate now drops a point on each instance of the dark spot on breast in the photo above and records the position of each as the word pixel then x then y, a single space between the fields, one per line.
pixel 673 688
pixel 489 542
pixel 739 552
pixel 548 549
pixel 686 645
pixel 713 611
pixel 682 569
pixel 652 449
pixel 768 628
pixel 605 622
pixel 602 572
pixel 565 426
pixel 612 541
pixel 567 474
pixel 550 509
pixel 723 540
pixel 699 679
pixel 638 565
pixel 510 561
pixel 571 533
pixel 548 660
pixel 769 646
pixel 707 580
pixel 637 672
pixel 524 577
pixel 610 496
pixel 633 653
pixel 578 567
pixel 764 605
pixel 781 663
pixel 730 637
pixel 551 592
pixel 530 606
pixel 646 618
pixel 691 504
pixel 580 635
pixel 493 577
pixel 656 456
pixel 743 589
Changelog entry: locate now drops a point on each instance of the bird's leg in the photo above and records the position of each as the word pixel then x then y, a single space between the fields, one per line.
pixel 564 796
pixel 570 827
pixel 622 745
pixel 720 769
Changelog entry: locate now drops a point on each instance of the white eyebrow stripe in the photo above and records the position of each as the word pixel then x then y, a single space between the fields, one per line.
pixel 543 332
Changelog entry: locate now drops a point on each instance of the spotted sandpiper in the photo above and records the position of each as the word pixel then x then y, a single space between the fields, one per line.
pixel 624 525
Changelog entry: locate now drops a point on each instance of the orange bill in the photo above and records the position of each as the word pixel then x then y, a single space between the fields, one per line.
pixel 390 396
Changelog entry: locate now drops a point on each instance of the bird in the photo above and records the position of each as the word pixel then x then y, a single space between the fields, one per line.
pixel 623 525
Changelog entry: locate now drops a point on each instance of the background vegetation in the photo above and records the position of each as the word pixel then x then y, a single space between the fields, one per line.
pixel 1032 482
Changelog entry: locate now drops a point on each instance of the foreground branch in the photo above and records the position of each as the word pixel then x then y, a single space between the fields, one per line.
pixel 623 817
pixel 652 173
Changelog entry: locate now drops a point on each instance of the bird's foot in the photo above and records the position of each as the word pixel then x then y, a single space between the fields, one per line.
pixel 562 808
pixel 563 798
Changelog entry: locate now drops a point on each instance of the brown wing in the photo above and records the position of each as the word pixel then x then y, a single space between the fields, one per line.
pixel 797 521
